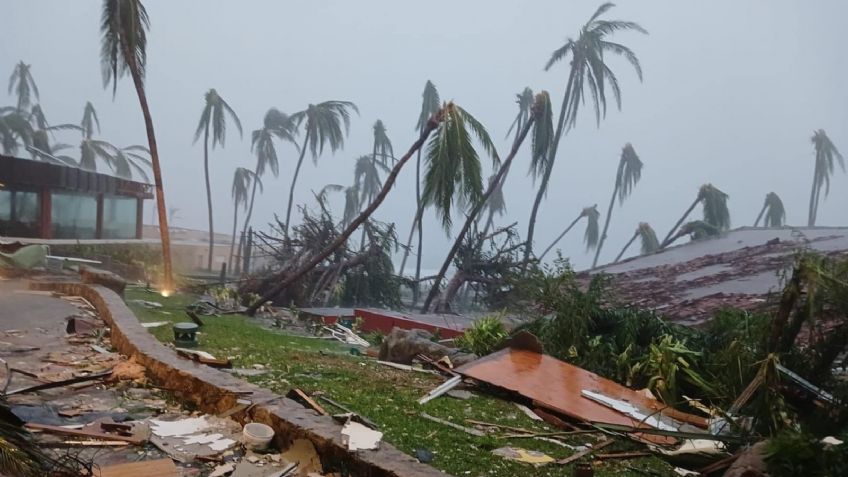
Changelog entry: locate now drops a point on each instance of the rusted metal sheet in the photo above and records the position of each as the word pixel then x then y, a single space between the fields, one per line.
pixel 557 386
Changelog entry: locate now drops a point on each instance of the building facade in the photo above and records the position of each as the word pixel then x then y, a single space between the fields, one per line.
pixel 51 201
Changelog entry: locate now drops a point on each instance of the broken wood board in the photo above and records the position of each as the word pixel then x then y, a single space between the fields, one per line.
pixel 578 455
pixel 298 395
pixel 467 430
pixel 147 468
pixel 92 431
pixel 558 386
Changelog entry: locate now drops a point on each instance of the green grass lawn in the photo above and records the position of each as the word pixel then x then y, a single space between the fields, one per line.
pixel 385 395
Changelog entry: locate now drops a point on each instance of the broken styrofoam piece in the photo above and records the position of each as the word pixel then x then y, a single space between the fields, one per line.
pixel 441 389
pixel 357 436
pixel 523 455
pixel 705 447
pixel 182 427
pixel 831 441
pixel 628 410
pixel 155 324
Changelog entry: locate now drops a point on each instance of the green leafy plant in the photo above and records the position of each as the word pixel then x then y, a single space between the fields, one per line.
pixel 483 336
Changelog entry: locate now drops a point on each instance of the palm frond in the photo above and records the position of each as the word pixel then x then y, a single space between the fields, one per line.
pixel 593 233
pixel 524 100
pixel 543 135
pixel 775 213
pixel 89 120
pixel 382 144
pixel 430 103
pixel 242 178
pixel 827 156
pixel 123 28
pixel 648 238
pixel 714 203
pixel 629 172
pixel 326 124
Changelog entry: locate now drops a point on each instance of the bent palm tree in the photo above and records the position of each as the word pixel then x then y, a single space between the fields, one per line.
pixel 326 124
pixel 214 116
pixel 285 278
pixel 444 154
pixel 382 144
pixel 773 211
pixel 275 125
pixel 590 237
pixel 628 174
pixel 650 243
pixel 124 25
pixel 430 104
pixel 716 213
pixel 241 183
pixel 588 67
pixel 696 230
pixel 22 84
pixel 89 121
pixel 826 156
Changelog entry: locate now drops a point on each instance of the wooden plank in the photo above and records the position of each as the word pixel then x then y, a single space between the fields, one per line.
pixel 92 433
pixel 578 455
pixel 467 430
pixel 147 468
pixel 298 395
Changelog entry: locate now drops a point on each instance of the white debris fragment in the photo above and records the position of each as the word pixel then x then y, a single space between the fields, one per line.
pixel 182 427
pixel 359 437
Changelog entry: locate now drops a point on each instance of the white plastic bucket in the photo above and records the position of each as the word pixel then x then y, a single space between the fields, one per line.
pixel 257 436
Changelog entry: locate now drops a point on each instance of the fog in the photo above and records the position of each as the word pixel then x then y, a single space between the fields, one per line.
pixel 732 92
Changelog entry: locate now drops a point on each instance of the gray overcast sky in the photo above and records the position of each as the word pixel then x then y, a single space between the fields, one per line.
pixel 732 92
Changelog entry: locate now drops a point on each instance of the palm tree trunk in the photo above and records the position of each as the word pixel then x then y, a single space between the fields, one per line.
pixel 208 195
pixel 247 218
pixel 760 215
pixel 811 217
pixel 667 238
pixel 626 246
pixel 469 220
pixel 294 182
pixel 164 231
pixel 233 240
pixel 418 212
pixel 285 279
pixel 606 223
pixel 543 186
pixel 567 229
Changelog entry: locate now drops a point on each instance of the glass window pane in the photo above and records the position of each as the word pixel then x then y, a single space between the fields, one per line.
pixel 74 216
pixel 19 213
pixel 119 214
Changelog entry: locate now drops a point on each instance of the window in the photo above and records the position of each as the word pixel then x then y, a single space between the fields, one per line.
pixel 119 217
pixel 19 213
pixel 74 216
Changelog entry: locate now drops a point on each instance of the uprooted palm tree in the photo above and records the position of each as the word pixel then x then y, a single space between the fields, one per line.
pixel 650 243
pixel 123 27
pixel 454 161
pixel 588 70
pixel 286 277
pixel 242 179
pixel 590 237
pixel 325 124
pixel 716 213
pixel 628 174
pixel 430 104
pixel 826 157
pixel 22 85
pixel 213 116
pixel 773 211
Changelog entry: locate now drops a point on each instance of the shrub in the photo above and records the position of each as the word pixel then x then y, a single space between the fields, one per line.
pixel 483 336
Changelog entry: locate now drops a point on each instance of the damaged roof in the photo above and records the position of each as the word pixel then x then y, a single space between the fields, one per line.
pixel 688 283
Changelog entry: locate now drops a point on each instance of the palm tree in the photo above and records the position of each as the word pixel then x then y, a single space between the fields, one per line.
pixel 89 121
pixel 23 85
pixel 451 156
pixel 123 26
pixel 826 156
pixel 214 115
pixel 716 213
pixel 275 125
pixel 15 130
pixel 284 280
pixel 42 132
pixel 430 104
pixel 241 183
pixel 646 233
pixel 773 210
pixel 323 127
pixel 382 144
pixel 590 237
pixel 588 67
pixel 628 174
pixel 496 204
